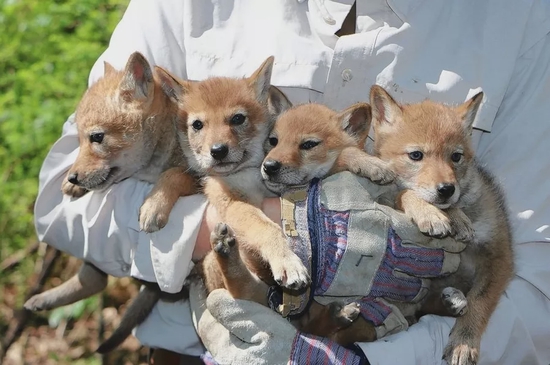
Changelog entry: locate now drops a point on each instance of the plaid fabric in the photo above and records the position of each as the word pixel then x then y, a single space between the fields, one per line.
pixel 333 237
pixel 328 233
pixel 373 310
pixel 309 349
pixel 413 260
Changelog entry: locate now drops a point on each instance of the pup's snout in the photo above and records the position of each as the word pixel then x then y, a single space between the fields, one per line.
pixel 73 178
pixel 445 190
pixel 271 167
pixel 219 151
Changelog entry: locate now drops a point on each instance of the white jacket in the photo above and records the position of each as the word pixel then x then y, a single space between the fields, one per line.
pixel 446 51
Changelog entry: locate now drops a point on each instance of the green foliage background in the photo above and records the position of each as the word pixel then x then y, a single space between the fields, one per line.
pixel 47 49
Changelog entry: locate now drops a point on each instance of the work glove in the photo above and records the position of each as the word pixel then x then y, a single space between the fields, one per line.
pixel 366 253
pixel 237 331
pixel 359 249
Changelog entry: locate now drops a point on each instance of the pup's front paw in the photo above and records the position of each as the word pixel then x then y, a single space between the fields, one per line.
pixel 289 271
pixel 378 171
pixel 461 351
pixel 455 301
pixel 462 225
pixel 73 190
pixel 344 314
pixel 37 302
pixel 153 215
pixel 222 239
pixel 433 222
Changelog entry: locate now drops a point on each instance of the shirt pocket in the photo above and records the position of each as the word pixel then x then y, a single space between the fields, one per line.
pixel 237 44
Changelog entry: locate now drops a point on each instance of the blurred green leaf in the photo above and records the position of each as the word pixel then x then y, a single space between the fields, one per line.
pixel 72 311
pixel 47 49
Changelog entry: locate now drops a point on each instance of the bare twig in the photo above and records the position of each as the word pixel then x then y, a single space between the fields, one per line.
pixel 20 318
pixel 15 259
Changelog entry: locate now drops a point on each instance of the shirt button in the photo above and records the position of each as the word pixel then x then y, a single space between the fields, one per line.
pixel 347 75
pixel 329 20
pixel 125 268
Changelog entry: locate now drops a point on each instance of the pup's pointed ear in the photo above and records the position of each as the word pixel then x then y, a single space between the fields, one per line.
pixel 384 108
pixel 277 101
pixel 260 80
pixel 355 120
pixel 137 82
pixel 174 87
pixel 108 68
pixel 468 111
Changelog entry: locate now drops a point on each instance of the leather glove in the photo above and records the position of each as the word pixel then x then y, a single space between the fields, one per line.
pixel 243 332
pixel 341 230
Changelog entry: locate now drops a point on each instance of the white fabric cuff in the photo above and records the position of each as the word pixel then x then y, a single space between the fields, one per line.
pixel 423 343
pixel 170 327
pixel 170 249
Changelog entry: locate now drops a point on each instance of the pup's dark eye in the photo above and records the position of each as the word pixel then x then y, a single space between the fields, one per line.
pixel 273 141
pixel 197 125
pixel 237 119
pixel 96 137
pixel 307 145
pixel 416 155
pixel 456 157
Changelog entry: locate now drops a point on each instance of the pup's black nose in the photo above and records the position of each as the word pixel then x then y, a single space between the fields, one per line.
pixel 73 178
pixel 271 167
pixel 445 190
pixel 219 151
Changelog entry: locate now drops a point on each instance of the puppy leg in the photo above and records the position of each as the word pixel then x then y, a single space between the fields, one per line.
pixel 259 234
pixel 429 219
pixel 450 302
pixel 326 320
pixel 360 330
pixel 359 162
pixel 461 224
pixel 490 282
pixel 238 279
pixel 87 282
pixel 173 183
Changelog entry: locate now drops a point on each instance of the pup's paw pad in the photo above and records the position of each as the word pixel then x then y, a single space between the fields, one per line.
pixel 344 314
pixel 36 303
pixel 455 301
pixel 464 230
pixel 290 272
pixel 222 239
pixel 153 216
pixel 381 174
pixel 461 353
pixel 72 190
pixel 434 224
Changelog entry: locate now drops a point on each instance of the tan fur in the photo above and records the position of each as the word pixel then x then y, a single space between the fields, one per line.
pixel 135 122
pixel 214 102
pixel 476 212
pixel 238 115
pixel 338 140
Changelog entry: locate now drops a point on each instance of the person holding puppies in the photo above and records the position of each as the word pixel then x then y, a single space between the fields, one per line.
pixel 330 52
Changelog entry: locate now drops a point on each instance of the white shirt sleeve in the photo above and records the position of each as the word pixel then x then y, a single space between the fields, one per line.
pixel 516 151
pixel 102 227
